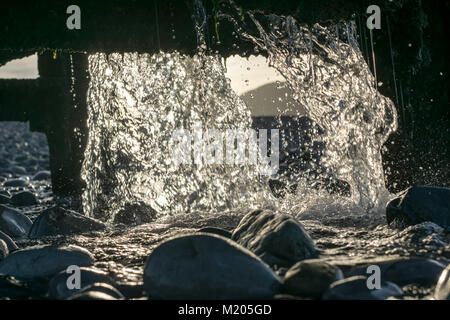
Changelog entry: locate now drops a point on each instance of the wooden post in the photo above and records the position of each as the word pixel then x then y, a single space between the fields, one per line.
pixel 65 117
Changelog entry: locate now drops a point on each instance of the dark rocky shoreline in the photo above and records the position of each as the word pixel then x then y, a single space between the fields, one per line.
pixel 328 254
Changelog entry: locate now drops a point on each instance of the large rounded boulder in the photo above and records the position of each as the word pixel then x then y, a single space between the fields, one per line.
pixel 276 238
pixel 206 266
pixel 44 261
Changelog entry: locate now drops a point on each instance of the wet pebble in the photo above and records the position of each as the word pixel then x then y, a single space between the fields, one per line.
pixel 419 204
pixel 9 242
pixel 58 288
pixel 92 295
pixel 204 266
pixel 277 239
pixel 4 163
pixel 31 162
pixel 42 175
pixel 58 221
pixel 310 278
pixel 23 199
pixel 14 223
pixel 22 157
pixel 11 288
pixel 16 183
pixel 407 271
pixel 44 261
pixel 356 288
pixel 218 231
pixel 4 199
pixel 442 291
pixel 106 291
pixel 5 193
pixel 18 170
pixel 3 250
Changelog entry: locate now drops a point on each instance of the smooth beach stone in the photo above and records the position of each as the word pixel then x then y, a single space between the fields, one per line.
pixel 44 261
pixel 310 278
pixel 59 221
pixel 23 199
pixel 99 287
pixel 442 291
pixel 131 291
pixel 42 175
pixel 21 158
pixel 218 231
pixel 277 239
pixel 4 199
pixel 3 250
pixel 31 162
pixel 135 214
pixel 14 223
pixel 9 242
pixel 5 193
pixel 419 204
pixel 355 288
pixel 12 288
pixel 58 289
pixel 32 168
pixel 406 271
pixel 206 266
pixel 16 183
pixel 19 170
pixel 4 163
pixel 44 164
pixel 92 295
pixel 11 245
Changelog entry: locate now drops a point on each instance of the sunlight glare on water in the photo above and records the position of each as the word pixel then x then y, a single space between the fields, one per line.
pixel 136 101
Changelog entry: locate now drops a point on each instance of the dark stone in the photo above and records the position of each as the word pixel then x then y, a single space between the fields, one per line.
pixel 18 170
pixel 407 271
pixel 277 239
pixel 419 204
pixel 16 183
pixel 32 162
pixel 5 193
pixel 100 287
pixel 14 223
pixel 92 295
pixel 4 199
pixel 130 291
pixel 442 291
pixel 310 278
pixel 4 163
pixel 23 199
pixel 44 261
pixel 205 266
pixel 58 289
pixel 21 158
pixel 218 231
pixel 355 288
pixel 9 242
pixel 11 288
pixel 3 250
pixel 135 213
pixel 59 221
pixel 42 175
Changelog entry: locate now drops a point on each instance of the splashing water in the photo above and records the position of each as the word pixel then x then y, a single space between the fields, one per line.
pixel 327 74
pixel 136 101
